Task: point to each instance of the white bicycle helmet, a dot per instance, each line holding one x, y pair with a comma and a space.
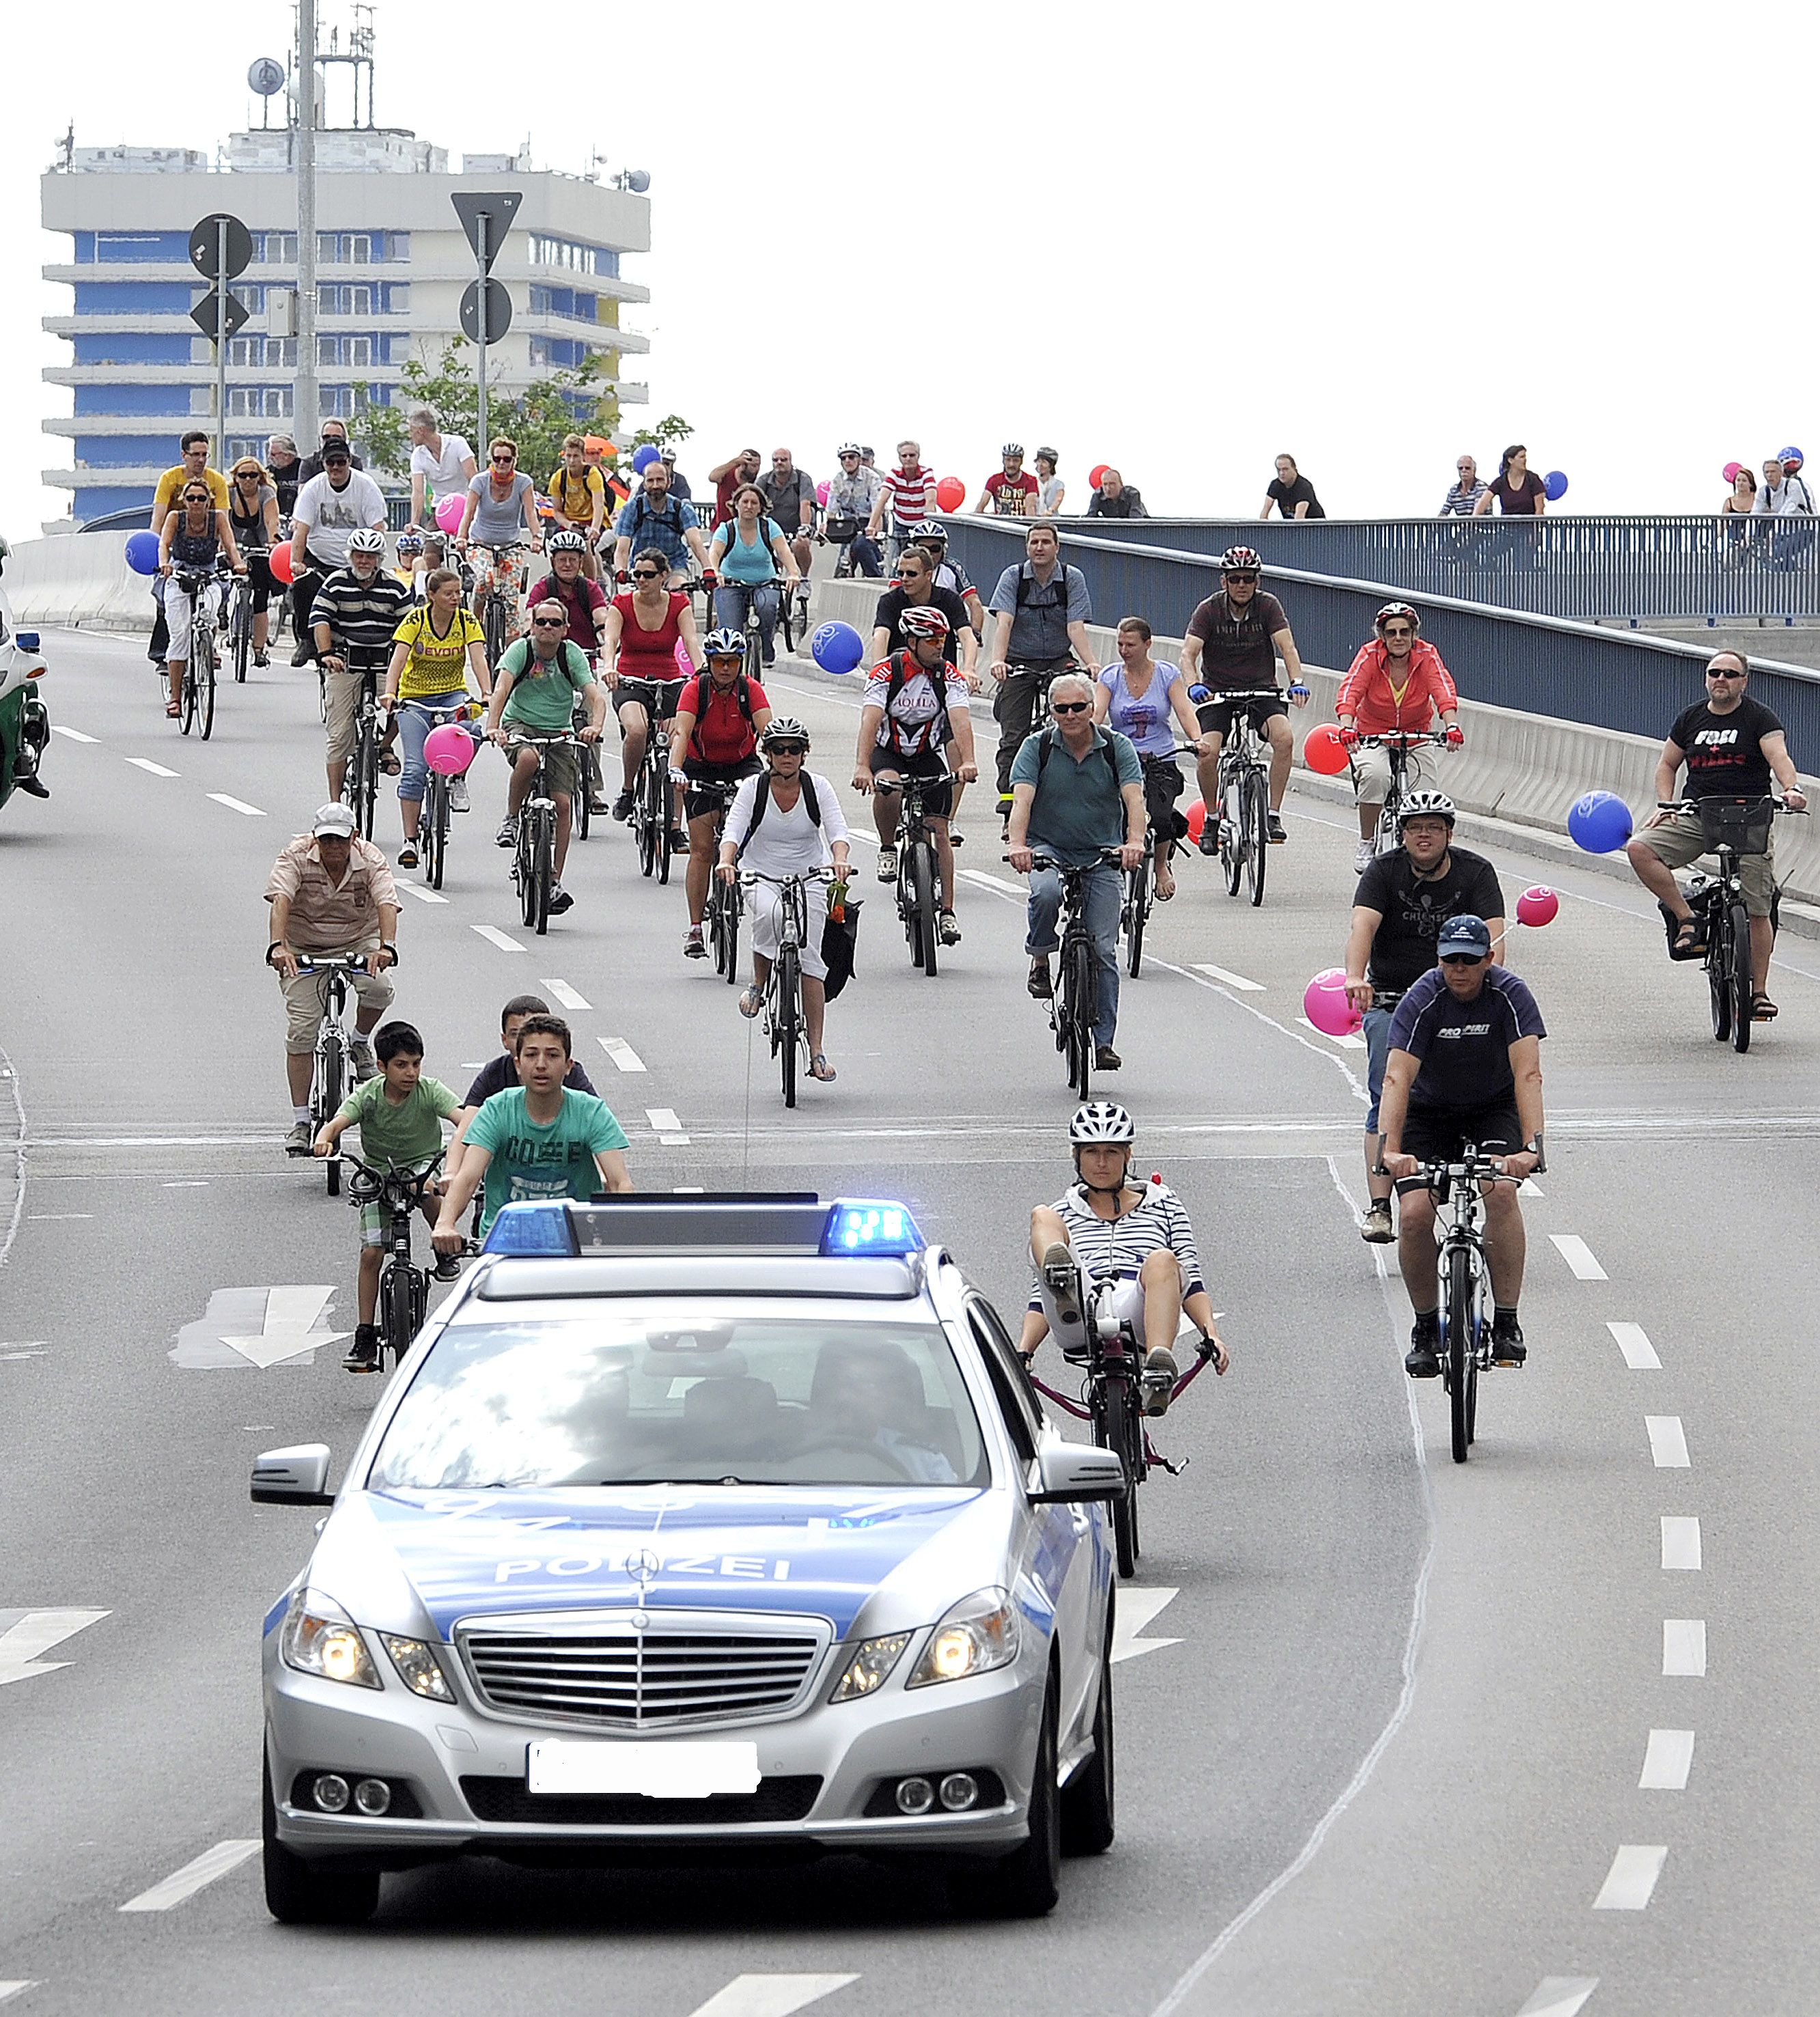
567, 541
923, 620
724, 642
1101, 1121
1425, 805
1012, 448
366, 541
847, 448
785, 728
930, 531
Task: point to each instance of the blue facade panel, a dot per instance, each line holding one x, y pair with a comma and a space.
92, 502
128, 399
138, 247
128, 451
123, 297
131, 347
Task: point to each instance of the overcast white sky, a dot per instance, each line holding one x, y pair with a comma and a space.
1373, 236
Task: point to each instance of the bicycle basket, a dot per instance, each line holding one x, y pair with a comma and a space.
1742, 825
839, 530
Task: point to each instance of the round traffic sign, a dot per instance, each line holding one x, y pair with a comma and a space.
207, 245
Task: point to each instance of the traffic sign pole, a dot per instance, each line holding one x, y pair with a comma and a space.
220, 352
482, 447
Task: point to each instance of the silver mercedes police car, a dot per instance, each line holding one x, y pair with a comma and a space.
696, 1522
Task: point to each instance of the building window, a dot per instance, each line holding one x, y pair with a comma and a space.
269, 402
348, 402
275, 248
251, 298
578, 258
241, 444
567, 302
344, 350
278, 351
341, 299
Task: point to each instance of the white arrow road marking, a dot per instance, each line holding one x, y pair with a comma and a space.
292, 1315
32, 1633
1667, 1759
18, 1988
770, 1995
1680, 1541
1684, 1646
566, 995
185, 1883
1559, 1996
1138, 1608
1631, 1878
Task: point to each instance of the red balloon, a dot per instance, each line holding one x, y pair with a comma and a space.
278, 561
1323, 753
1537, 905
1197, 818
1097, 474
950, 493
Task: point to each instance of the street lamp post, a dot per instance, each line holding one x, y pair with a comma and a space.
304, 423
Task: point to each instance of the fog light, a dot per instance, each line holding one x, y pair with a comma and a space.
374, 1796
914, 1796
331, 1792
959, 1790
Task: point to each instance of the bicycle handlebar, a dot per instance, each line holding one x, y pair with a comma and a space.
1107, 856
1403, 738
888, 784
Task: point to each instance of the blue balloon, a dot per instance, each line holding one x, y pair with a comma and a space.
1599, 821
1555, 484
644, 457
141, 552
837, 647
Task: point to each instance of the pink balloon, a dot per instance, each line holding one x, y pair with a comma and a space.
684, 664
449, 511
1326, 1003
1537, 906
1731, 469
449, 749
821, 493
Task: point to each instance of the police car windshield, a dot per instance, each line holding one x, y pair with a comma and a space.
631, 1396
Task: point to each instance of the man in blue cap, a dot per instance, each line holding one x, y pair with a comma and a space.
1464, 1067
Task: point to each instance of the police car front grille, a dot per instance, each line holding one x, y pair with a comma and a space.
778, 1799
625, 1679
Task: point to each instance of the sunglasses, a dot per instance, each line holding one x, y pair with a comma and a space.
1398, 631
646, 574
1241, 577
1463, 958
1070, 706
505, 458
788, 749
549, 622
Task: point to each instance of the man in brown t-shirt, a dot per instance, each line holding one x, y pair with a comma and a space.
1233, 641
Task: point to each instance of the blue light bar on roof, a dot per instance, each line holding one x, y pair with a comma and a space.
870, 1225
535, 1228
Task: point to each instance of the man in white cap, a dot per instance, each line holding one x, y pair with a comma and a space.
332, 896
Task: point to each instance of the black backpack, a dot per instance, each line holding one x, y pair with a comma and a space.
1027, 584
742, 688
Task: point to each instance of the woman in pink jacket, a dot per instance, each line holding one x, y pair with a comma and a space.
1396, 684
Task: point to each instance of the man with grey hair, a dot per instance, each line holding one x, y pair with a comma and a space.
441, 465
1077, 790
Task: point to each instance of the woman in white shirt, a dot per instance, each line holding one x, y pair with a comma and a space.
1051, 488
795, 829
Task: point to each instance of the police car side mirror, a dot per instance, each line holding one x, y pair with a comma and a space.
1075, 1474
295, 1477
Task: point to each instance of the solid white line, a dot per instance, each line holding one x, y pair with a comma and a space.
185, 1883
236, 805
146, 764
622, 1054
1345, 1043
1232, 979
1632, 1341
986, 882
1680, 1541
1683, 1647
416, 890
770, 1995
1578, 1255
74, 735
663, 1118
1631, 1879
566, 995
44, 1217
498, 938
185, 1184
673, 1141
1559, 1996
1667, 1442
1668, 1759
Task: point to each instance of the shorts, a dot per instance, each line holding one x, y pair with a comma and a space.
1683, 839
658, 697
926, 763
342, 691
304, 998
1215, 716
374, 1221
765, 908
1123, 1302
704, 805
1372, 775
561, 766
1438, 1134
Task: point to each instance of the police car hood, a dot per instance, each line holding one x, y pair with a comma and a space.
822, 1552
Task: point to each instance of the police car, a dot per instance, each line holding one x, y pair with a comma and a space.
696, 1523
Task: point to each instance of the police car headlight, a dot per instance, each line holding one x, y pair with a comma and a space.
871, 1666
320, 1639
417, 1667
979, 1634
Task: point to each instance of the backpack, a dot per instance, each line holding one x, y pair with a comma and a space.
1027, 584
643, 515
762, 798
1052, 735
903, 669
742, 690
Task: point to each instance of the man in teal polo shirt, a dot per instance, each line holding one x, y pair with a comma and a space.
1077, 790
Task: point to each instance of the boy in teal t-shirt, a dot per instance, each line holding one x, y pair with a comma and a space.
400, 1115
536, 1139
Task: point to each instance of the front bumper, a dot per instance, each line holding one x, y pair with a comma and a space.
989, 1724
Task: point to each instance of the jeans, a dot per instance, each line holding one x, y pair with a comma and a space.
413, 729
732, 598
1104, 889
1377, 1035
863, 557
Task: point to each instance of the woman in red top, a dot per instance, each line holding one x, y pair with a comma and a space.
713, 742
652, 646
1396, 684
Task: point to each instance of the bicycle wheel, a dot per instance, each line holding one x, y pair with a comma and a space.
661, 814
922, 863
542, 870
1462, 1349
494, 624
241, 630
1257, 834
787, 618
362, 785
1117, 1415
1743, 989
521, 869
730, 908
1720, 960
397, 1323
331, 1085
1077, 981
1232, 833
1136, 914
644, 823
202, 667
789, 979
435, 829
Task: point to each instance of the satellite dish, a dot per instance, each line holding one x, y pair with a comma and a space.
638, 181
266, 77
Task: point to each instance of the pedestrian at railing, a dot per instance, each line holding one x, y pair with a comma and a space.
1462, 498
1292, 493
1116, 499
1518, 492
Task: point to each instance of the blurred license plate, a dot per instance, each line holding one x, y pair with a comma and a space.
662, 1771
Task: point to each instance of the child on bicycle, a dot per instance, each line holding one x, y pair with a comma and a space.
400, 1114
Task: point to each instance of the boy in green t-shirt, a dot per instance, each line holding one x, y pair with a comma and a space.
400, 1115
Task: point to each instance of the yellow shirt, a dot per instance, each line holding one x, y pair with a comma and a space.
438, 660
170, 489
575, 497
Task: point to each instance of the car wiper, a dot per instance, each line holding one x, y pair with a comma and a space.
727, 1477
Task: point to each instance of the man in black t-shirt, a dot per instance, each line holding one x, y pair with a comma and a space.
916, 584
502, 1074
1732, 746
1402, 901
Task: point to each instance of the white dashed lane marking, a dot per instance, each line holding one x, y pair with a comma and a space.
153, 769
1683, 1647
74, 735
986, 882
237, 805
1632, 1341
1559, 1996
1631, 1878
1668, 1758
1578, 1255
1667, 1442
1680, 1541
1344, 1043
493, 936
566, 995
185, 1883
667, 1126
19, 1988
622, 1054
416, 890
1231, 980
771, 1995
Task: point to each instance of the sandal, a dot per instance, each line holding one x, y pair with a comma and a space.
751, 1002
388, 763
1762, 1008
1163, 895
819, 1067
172, 711
1688, 944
